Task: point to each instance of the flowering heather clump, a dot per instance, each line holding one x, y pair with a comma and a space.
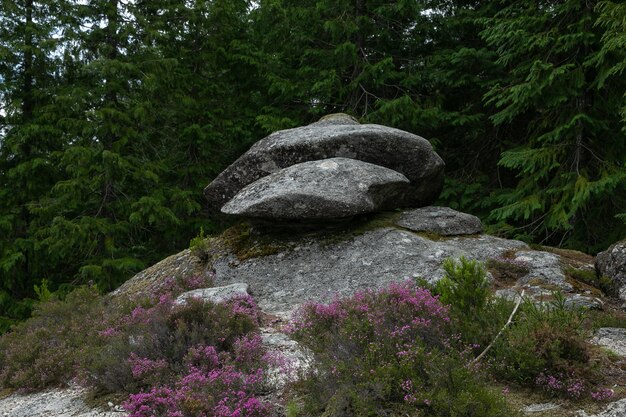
212, 385
150, 346
244, 305
400, 312
142, 367
561, 384
387, 352
602, 394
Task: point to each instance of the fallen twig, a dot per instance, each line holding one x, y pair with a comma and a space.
509, 321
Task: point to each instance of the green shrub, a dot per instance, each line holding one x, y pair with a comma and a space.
476, 315
199, 246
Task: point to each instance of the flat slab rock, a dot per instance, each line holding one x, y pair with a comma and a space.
318, 268
318, 271
337, 136
442, 221
214, 295
324, 189
54, 403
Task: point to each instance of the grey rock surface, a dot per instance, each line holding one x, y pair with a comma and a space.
319, 266
318, 271
156, 277
328, 188
546, 271
611, 338
214, 294
584, 301
338, 136
443, 221
54, 403
612, 263
614, 409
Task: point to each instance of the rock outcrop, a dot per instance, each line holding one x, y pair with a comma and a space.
331, 137
285, 270
612, 263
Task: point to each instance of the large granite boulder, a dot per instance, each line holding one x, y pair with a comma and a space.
329, 188
336, 136
612, 263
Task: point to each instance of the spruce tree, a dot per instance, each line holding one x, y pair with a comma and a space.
28, 80
562, 120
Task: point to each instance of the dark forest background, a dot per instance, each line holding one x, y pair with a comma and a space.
115, 114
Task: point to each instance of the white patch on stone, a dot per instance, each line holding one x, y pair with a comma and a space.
215, 294
539, 408
328, 165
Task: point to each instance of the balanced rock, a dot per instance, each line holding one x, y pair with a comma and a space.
336, 136
442, 221
328, 188
612, 263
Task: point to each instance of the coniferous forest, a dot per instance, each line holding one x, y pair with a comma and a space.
115, 114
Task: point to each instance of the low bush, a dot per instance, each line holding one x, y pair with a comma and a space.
548, 347
44, 350
388, 352
148, 346
219, 384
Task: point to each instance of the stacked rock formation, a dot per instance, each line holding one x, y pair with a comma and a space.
332, 169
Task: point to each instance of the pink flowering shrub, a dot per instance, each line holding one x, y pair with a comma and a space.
388, 352
196, 359
153, 344
212, 384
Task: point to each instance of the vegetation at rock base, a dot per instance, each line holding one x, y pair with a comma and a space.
115, 115
194, 359
403, 349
